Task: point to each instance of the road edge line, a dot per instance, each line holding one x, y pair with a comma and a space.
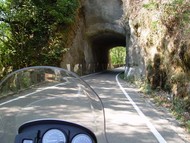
141, 114
29, 94
23, 96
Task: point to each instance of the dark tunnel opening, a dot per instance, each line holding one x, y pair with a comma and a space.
101, 44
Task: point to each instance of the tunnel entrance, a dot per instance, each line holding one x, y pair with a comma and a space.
101, 43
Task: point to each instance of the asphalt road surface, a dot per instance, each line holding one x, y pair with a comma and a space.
130, 118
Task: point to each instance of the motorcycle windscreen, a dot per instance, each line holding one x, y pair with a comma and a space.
39, 93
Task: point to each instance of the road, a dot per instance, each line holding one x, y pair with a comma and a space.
129, 117
134, 120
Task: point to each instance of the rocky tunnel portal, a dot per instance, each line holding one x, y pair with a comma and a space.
101, 44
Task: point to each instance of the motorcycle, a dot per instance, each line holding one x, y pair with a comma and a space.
45, 104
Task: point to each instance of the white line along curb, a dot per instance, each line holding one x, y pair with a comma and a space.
141, 114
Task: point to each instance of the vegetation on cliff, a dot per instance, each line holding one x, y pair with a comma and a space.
34, 32
162, 30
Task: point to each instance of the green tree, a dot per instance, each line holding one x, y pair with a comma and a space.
35, 31
118, 55
5, 37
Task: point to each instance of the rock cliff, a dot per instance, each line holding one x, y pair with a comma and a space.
155, 33
160, 32
98, 29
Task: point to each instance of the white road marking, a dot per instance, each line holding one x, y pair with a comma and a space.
141, 114
24, 96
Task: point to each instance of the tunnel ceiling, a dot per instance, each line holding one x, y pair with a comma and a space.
108, 40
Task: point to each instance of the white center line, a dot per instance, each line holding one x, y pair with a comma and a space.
141, 114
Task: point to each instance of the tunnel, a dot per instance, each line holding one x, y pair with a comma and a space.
101, 43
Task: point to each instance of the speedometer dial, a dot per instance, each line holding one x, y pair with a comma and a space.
81, 138
54, 136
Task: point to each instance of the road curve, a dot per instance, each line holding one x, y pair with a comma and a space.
129, 117
133, 119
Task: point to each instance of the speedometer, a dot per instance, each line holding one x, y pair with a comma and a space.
54, 136
81, 138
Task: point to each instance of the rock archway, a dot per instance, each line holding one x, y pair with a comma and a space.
100, 27
101, 43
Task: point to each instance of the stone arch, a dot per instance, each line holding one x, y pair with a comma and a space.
101, 43
100, 27
103, 30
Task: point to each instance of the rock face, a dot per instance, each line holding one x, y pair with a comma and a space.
99, 28
160, 33
103, 15
155, 35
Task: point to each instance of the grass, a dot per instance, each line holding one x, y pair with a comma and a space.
160, 98
188, 125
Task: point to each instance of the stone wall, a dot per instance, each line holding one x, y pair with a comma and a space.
74, 57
